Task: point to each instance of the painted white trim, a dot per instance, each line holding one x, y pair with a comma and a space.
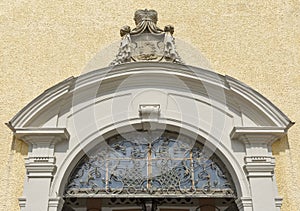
63, 89
249, 125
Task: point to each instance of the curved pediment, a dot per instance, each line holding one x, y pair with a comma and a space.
174, 82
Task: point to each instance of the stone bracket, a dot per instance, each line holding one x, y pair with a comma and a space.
149, 111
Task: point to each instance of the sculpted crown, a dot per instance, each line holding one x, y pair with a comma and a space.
145, 15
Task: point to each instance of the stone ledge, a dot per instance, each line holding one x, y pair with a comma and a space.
265, 135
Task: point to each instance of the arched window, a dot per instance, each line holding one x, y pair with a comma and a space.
150, 163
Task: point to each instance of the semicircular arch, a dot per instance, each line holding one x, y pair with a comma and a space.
230, 162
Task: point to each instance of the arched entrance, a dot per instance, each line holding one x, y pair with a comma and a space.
237, 123
150, 170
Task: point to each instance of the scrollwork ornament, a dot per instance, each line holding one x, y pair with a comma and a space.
149, 169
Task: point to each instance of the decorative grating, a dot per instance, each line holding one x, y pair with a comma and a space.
157, 164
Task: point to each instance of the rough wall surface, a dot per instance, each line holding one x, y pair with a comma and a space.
44, 42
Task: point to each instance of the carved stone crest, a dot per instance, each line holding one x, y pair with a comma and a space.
146, 42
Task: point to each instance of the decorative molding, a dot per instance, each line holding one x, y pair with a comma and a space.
40, 170
40, 162
265, 135
54, 95
32, 135
259, 101
41, 159
48, 97
259, 166
42, 141
259, 159
22, 203
243, 202
56, 203
262, 170
278, 202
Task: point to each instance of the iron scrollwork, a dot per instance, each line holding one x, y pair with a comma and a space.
153, 167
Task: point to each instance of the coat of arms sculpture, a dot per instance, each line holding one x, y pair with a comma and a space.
146, 42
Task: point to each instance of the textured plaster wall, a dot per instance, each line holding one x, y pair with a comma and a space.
44, 42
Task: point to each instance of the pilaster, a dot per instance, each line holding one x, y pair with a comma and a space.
259, 164
40, 165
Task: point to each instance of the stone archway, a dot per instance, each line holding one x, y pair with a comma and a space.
62, 123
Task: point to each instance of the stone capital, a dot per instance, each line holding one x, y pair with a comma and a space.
254, 135
257, 140
41, 141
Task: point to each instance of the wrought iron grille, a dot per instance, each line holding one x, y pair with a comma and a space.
150, 164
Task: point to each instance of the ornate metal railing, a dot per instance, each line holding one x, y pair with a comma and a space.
146, 165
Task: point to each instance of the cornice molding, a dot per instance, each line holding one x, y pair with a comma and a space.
42, 135
259, 101
265, 135
48, 97
72, 85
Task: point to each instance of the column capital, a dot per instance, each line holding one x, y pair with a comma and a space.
40, 162
41, 141
41, 135
266, 135
257, 140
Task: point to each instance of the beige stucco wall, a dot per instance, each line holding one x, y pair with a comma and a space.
44, 42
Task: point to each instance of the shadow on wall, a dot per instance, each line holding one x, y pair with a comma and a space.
19, 146
281, 146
